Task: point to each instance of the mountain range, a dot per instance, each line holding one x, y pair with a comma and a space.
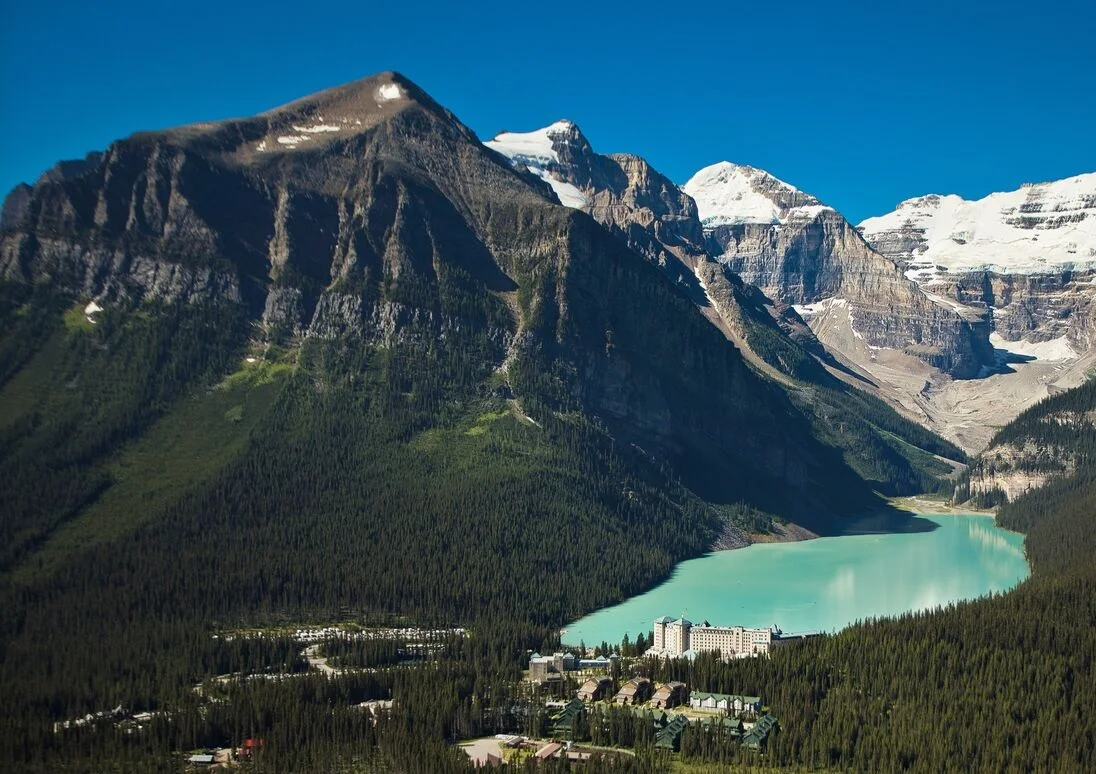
960, 314
390, 282
343, 360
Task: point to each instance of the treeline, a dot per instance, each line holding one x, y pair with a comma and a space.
1055, 437
882, 446
1047, 422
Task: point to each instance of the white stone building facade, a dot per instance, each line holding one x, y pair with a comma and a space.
673, 638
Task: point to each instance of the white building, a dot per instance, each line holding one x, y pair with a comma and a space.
684, 638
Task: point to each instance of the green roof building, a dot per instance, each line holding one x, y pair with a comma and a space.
669, 738
757, 736
563, 722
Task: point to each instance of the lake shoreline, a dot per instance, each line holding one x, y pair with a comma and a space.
826, 585
790, 532
923, 505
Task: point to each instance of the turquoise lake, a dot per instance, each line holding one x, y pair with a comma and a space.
826, 584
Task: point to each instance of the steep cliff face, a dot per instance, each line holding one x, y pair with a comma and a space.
1027, 255
654, 217
799, 251
622, 192
324, 216
1035, 308
369, 212
1014, 470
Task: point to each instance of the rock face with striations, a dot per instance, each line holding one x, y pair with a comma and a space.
800, 251
1028, 256
296, 212
654, 217
620, 191
1049, 440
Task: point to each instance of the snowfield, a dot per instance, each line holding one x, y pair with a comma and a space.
728, 194
531, 148
1055, 350
1036, 228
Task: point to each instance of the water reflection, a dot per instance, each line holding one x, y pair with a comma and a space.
826, 584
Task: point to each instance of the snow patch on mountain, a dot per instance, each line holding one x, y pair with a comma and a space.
536, 152
317, 128
1036, 228
1054, 350
807, 311
568, 195
389, 92
808, 212
530, 148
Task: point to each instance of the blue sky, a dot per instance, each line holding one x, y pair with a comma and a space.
862, 107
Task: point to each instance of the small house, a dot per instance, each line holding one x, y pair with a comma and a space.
670, 695
594, 689
636, 690
550, 750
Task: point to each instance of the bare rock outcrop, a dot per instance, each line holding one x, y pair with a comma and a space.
800, 251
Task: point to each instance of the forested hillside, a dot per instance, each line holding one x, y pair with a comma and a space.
1055, 421
944, 691
1052, 440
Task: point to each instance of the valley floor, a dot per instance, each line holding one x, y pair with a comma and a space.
968, 412
937, 506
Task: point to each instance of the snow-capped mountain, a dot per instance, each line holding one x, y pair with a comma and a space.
653, 216
1029, 255
867, 305
800, 251
536, 151
729, 194
1038, 228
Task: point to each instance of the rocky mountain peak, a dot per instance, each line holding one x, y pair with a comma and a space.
559, 154
319, 122
336, 114
730, 194
800, 251
541, 146
1025, 257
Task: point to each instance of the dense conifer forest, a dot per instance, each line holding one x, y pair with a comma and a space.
1064, 420
162, 490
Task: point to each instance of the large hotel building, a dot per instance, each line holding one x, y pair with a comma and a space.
684, 638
